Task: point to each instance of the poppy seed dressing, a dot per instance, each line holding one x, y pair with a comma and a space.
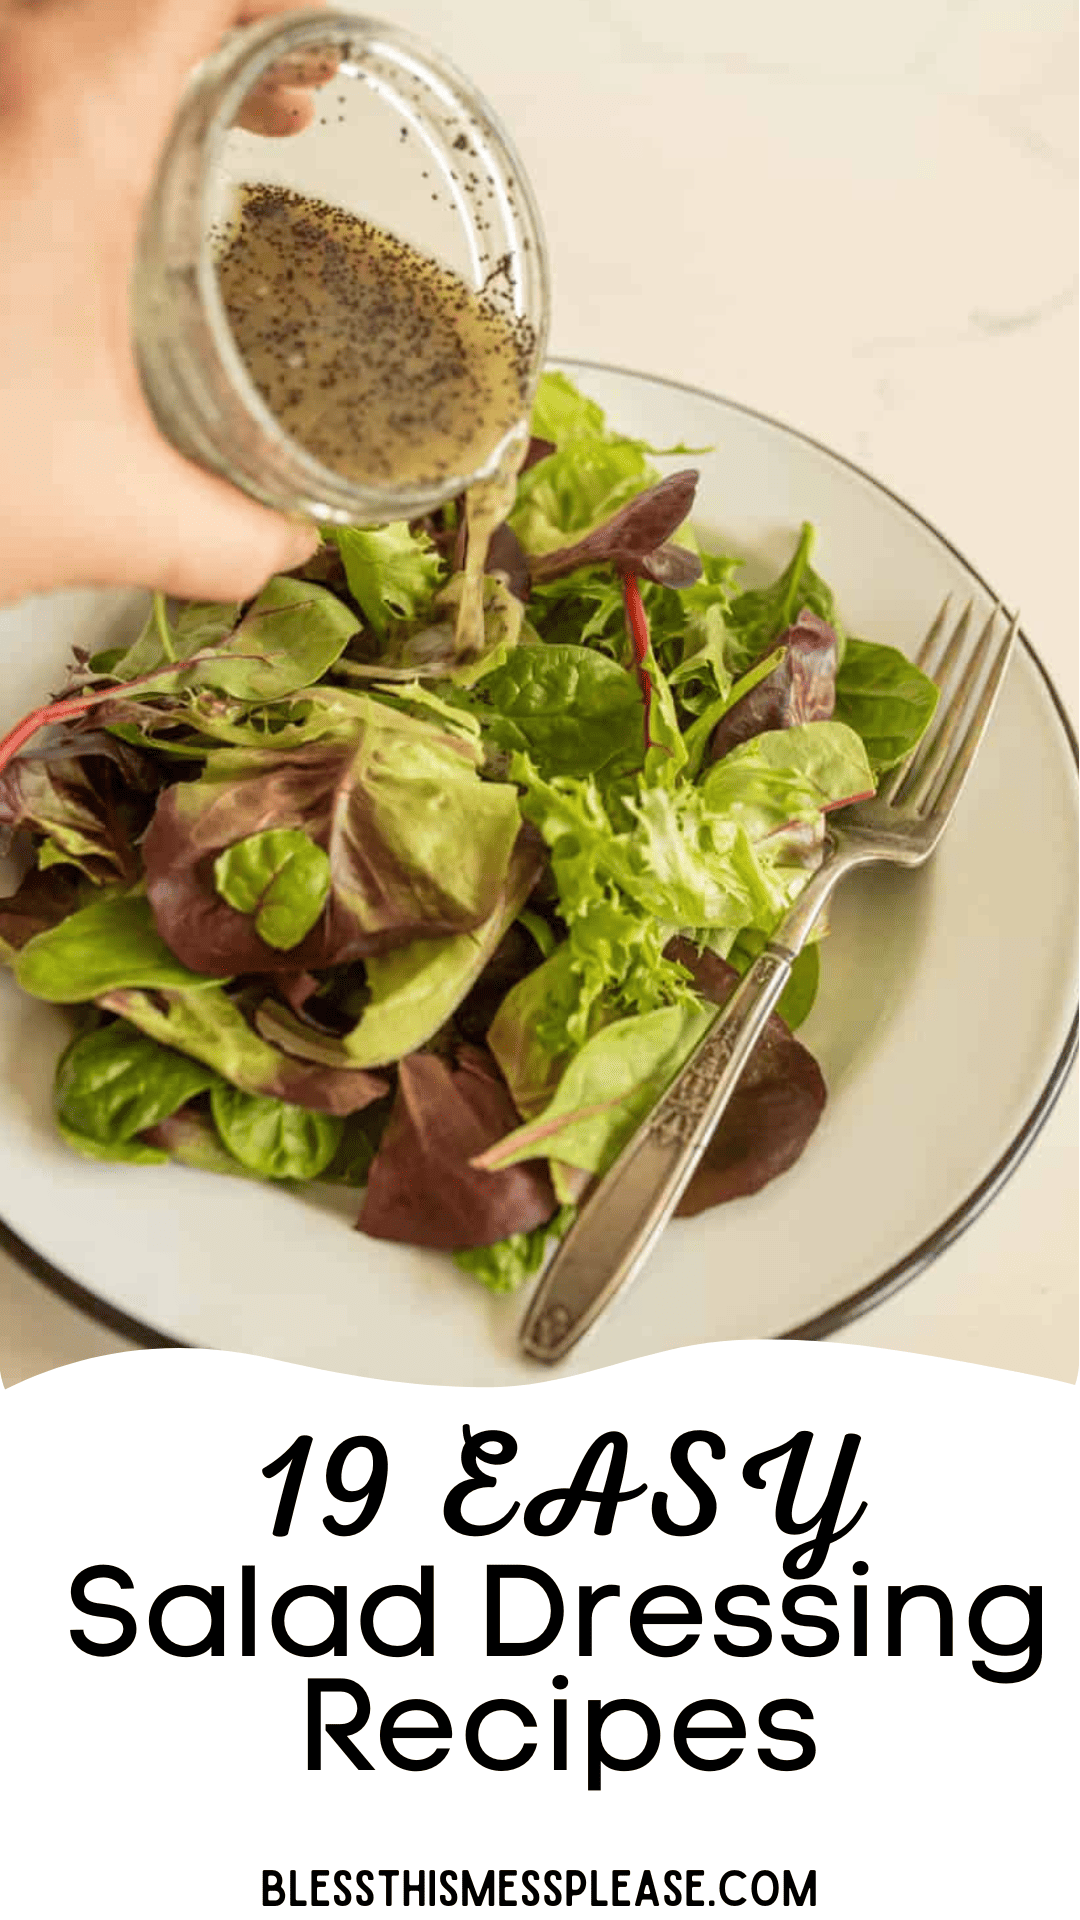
377, 360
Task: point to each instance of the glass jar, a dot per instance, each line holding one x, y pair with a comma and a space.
398, 138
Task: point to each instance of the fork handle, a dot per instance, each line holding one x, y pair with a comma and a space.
619, 1226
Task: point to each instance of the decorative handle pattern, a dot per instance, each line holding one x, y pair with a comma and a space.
609, 1244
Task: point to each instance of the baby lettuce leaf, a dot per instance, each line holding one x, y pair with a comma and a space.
198, 626
113, 1083
41, 901
886, 699
273, 1138
636, 539
615, 961
531, 1069
413, 990
109, 944
792, 774
392, 572
86, 792
801, 687
190, 1137
422, 1187
418, 844
289, 637
758, 617
137, 1153
292, 635
606, 1091
614, 1081
571, 710
210, 1028
561, 412
279, 877
682, 863
591, 475
505, 1266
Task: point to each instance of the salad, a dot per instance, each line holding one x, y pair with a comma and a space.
340, 887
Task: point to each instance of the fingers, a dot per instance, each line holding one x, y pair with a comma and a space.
281, 103
276, 111
205, 541
168, 524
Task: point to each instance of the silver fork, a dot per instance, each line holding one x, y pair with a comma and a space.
622, 1221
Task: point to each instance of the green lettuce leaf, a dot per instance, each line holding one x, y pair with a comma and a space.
886, 699
113, 1083
418, 844
505, 1266
413, 989
790, 774
517, 1037
272, 1137
210, 1028
757, 618
111, 943
606, 1091
392, 572
279, 877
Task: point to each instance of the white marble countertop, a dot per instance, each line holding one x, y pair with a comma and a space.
861, 220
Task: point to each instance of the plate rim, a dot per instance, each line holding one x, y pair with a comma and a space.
915, 1261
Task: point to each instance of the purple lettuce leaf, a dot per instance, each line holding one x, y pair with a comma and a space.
41, 902
636, 538
773, 1111
88, 794
418, 844
421, 1186
801, 687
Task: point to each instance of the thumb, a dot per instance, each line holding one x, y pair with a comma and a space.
184, 531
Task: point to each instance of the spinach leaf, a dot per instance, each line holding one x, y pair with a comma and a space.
280, 877
886, 699
392, 572
191, 1138
572, 710
357, 1148
273, 1138
505, 1266
135, 1152
758, 617
114, 1083
111, 943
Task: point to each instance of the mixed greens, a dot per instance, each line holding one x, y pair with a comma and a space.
338, 891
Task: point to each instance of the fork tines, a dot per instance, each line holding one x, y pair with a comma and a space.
929, 781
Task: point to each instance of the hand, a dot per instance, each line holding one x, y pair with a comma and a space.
90, 492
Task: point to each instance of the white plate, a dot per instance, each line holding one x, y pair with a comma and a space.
944, 1025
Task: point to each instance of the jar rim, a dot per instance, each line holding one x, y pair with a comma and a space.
234, 69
